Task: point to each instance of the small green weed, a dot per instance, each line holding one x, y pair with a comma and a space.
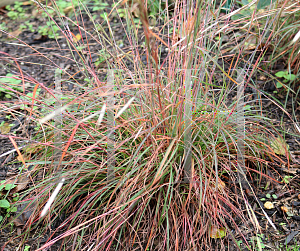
102, 57
27, 26
258, 242
293, 248
286, 179
99, 6
6, 207
287, 77
12, 82
61, 7
3, 27
16, 12
26, 248
50, 30
274, 196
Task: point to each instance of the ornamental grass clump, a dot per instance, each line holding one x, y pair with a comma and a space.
154, 152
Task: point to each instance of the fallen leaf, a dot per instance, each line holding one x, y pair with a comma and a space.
176, 38
279, 146
68, 9
250, 47
290, 211
135, 10
291, 170
217, 233
221, 185
284, 209
14, 34
20, 183
35, 13
76, 38
262, 77
17, 222
269, 205
27, 3
24, 158
250, 43
32, 148
26, 211
5, 128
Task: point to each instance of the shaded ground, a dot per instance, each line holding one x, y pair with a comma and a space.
35, 65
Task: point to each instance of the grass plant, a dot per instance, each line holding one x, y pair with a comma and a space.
146, 203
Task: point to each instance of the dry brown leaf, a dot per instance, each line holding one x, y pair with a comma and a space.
284, 209
32, 148
76, 38
217, 233
24, 158
35, 13
250, 47
68, 9
5, 128
27, 3
20, 183
262, 77
221, 185
250, 43
135, 10
18, 221
19, 231
14, 34
25, 215
269, 205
